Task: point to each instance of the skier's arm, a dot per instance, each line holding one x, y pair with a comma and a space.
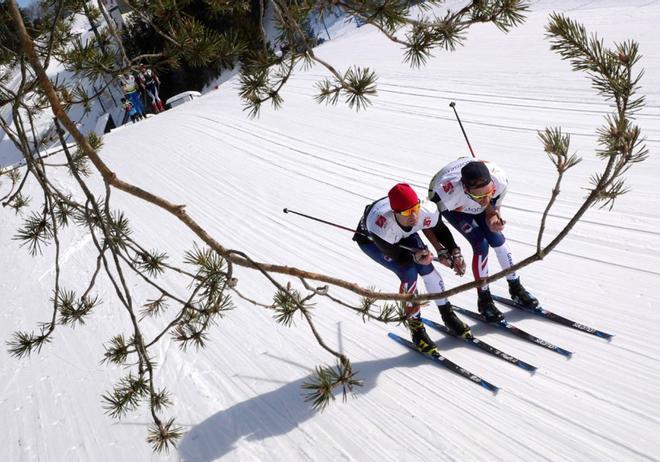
442, 239
497, 202
440, 236
435, 198
493, 217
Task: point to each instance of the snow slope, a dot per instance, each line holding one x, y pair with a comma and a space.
240, 399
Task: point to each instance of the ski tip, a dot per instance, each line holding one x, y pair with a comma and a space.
494, 389
608, 337
528, 367
285, 210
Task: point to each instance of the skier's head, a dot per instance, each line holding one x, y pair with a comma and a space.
477, 182
405, 204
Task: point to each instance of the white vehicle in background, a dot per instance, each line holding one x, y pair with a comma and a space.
182, 98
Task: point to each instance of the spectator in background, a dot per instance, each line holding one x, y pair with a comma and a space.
151, 84
130, 111
130, 88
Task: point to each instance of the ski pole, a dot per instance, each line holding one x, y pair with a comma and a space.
443, 252
322, 221
453, 106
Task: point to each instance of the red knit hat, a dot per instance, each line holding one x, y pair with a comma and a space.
402, 197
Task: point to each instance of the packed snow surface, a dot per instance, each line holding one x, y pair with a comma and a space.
241, 398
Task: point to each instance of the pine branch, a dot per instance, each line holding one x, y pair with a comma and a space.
118, 350
64, 211
556, 146
125, 396
286, 304
18, 202
357, 85
23, 344
190, 333
163, 436
152, 262
160, 400
621, 145
325, 379
154, 307
72, 309
36, 232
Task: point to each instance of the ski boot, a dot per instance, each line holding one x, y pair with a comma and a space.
520, 295
453, 322
487, 307
420, 338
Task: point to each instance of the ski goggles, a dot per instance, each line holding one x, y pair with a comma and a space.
408, 212
478, 197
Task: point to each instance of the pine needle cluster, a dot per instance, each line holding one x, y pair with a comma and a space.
22, 344
209, 300
73, 309
126, 395
320, 387
612, 75
294, 45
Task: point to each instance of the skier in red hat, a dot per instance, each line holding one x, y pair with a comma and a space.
387, 233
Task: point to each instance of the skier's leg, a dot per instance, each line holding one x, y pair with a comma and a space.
470, 229
407, 274
473, 228
152, 98
159, 102
498, 242
434, 283
503, 252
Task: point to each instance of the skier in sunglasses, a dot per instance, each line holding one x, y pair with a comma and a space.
469, 194
388, 234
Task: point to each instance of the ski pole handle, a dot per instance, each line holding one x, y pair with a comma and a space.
442, 253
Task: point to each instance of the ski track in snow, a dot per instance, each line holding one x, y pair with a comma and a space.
571, 422
295, 157
241, 398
